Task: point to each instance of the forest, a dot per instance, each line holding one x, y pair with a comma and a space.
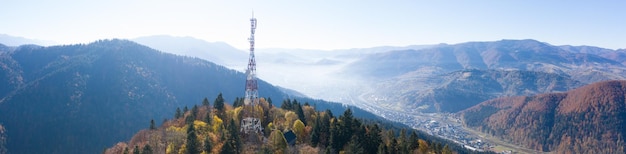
294, 127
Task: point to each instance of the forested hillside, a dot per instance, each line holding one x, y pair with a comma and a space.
82, 98
215, 128
590, 119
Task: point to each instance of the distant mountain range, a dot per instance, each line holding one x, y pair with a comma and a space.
427, 76
17, 41
216, 52
589, 119
83, 98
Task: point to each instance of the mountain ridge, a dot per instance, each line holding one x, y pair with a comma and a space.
589, 119
89, 91
424, 67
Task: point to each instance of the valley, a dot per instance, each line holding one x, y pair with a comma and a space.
444, 125
423, 85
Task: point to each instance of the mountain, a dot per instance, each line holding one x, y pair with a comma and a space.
615, 55
528, 55
17, 41
83, 98
589, 119
424, 76
459, 90
216, 52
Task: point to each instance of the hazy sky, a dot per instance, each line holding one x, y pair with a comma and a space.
321, 24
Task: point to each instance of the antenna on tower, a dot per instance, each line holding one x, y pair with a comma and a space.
251, 122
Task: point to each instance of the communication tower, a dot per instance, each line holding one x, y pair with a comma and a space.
251, 122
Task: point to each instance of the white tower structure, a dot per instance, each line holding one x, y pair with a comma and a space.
250, 123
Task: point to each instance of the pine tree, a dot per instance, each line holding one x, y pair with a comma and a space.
354, 146
233, 142
234, 135
126, 151
178, 113
325, 128
147, 149
413, 141
208, 118
205, 102
192, 144
207, 145
403, 144
393, 145
300, 113
136, 150
219, 102
373, 139
238, 102
286, 105
189, 120
185, 110
382, 149
152, 125
269, 101
315, 134
336, 136
194, 111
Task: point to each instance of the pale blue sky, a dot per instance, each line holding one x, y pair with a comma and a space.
321, 24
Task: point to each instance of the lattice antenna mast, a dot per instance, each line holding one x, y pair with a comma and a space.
252, 92
251, 122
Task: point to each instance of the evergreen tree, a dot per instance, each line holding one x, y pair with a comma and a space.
207, 145
152, 125
373, 139
325, 128
403, 145
382, 149
136, 150
329, 113
300, 113
192, 144
269, 101
189, 120
238, 102
354, 146
126, 151
147, 149
337, 139
438, 148
413, 141
208, 118
178, 113
342, 131
185, 110
233, 142
315, 134
219, 103
393, 146
194, 111
286, 105
205, 102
